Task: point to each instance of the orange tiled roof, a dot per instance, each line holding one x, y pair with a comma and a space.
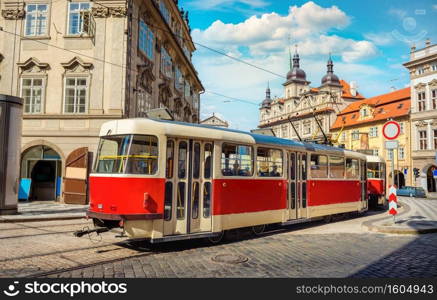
390, 105
346, 91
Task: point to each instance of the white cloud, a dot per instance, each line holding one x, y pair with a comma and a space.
380, 39
314, 17
263, 40
307, 25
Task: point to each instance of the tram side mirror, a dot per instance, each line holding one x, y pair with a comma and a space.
160, 114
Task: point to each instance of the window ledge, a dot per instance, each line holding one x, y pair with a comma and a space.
37, 37
77, 36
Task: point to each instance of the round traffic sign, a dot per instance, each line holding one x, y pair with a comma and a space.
391, 130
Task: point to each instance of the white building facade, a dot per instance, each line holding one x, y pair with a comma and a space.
307, 112
423, 81
78, 64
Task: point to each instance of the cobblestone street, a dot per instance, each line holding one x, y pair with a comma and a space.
340, 249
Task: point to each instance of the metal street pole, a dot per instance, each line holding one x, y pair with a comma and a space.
393, 173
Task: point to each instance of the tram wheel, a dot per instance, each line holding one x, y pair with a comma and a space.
327, 219
217, 238
257, 230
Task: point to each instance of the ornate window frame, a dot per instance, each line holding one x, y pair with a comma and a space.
32, 68
76, 68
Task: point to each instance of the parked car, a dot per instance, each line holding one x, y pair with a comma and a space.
411, 191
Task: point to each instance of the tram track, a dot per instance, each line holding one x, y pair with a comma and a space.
84, 266
66, 260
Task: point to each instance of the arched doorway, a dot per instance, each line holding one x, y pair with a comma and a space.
43, 166
399, 179
430, 181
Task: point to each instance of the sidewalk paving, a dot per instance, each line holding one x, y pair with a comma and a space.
45, 211
415, 216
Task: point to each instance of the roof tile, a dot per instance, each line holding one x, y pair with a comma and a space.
390, 105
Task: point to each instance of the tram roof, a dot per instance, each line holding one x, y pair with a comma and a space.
226, 133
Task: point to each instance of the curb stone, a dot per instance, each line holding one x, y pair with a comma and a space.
397, 230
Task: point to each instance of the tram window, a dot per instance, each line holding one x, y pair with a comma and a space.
352, 168
293, 195
336, 167
363, 170
269, 162
195, 207
170, 160
132, 154
237, 160
292, 166
182, 160
168, 200
207, 161
304, 194
319, 166
143, 155
304, 166
373, 170
196, 161
111, 154
206, 199
180, 207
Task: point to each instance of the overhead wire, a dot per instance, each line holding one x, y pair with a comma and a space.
136, 71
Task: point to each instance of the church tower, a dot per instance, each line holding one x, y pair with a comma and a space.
296, 79
330, 81
266, 104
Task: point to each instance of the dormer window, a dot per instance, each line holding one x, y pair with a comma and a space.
364, 112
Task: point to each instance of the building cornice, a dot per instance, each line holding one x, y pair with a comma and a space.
420, 61
286, 118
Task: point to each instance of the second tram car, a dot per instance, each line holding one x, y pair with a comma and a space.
376, 180
165, 180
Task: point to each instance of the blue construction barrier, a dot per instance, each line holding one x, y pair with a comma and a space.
24, 191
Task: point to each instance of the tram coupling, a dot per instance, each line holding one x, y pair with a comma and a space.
84, 231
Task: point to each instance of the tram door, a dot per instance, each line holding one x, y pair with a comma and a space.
188, 201
363, 179
297, 185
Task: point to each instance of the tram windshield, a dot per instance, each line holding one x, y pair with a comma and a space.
127, 154
375, 170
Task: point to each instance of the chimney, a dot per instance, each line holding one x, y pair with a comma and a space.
392, 89
353, 88
427, 42
412, 50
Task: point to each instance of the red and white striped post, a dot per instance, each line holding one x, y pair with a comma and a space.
392, 202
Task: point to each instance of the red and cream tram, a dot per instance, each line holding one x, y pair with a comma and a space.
376, 180
164, 180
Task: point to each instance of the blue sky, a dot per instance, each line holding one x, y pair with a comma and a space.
369, 41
